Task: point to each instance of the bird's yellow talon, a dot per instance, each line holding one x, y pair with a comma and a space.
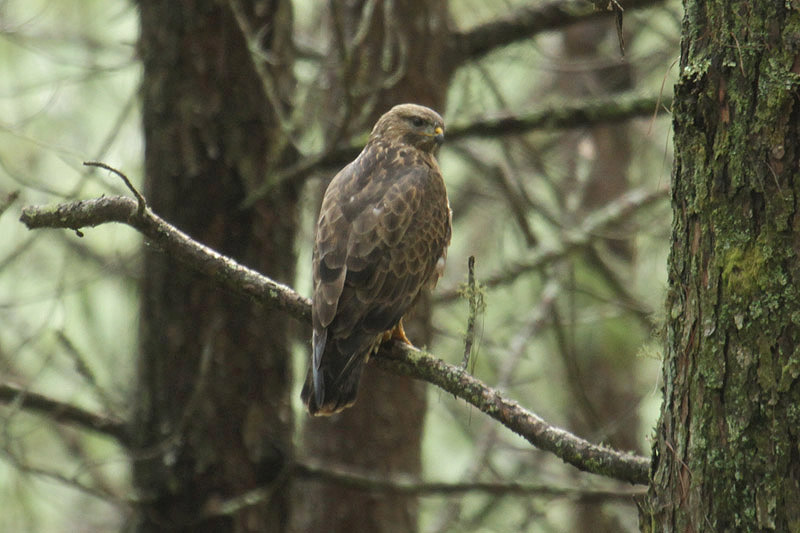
399, 334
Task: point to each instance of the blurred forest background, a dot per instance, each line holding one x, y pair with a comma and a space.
566, 213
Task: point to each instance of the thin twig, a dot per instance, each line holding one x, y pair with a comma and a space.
474, 308
618, 15
413, 487
627, 205
62, 412
259, 61
516, 202
80, 450
139, 198
83, 368
616, 8
67, 481
216, 506
487, 435
6, 202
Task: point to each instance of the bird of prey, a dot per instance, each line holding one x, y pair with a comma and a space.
381, 238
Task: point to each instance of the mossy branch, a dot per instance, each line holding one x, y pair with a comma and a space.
397, 358
474, 295
402, 359
225, 271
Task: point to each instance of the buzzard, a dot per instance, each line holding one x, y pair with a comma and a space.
381, 238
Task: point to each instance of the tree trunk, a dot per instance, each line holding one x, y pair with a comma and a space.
381, 434
726, 455
212, 414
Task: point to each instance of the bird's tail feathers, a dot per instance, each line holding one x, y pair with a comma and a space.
329, 387
320, 339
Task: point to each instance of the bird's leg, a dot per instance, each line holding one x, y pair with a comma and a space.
397, 333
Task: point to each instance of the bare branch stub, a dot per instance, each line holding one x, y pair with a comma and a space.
475, 301
142, 204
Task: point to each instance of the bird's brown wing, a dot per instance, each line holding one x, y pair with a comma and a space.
384, 225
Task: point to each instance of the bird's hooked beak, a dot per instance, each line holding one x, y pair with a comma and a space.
438, 135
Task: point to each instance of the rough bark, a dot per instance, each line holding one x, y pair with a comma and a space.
726, 456
212, 414
400, 58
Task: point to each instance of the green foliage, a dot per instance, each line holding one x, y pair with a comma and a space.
742, 271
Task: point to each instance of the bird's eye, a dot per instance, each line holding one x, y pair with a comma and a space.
417, 122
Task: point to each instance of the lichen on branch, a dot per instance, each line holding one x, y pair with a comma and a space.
394, 357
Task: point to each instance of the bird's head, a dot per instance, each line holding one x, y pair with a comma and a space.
413, 125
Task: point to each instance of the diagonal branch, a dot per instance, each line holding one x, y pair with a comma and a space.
225, 271
579, 114
402, 359
408, 486
595, 223
565, 115
63, 412
396, 358
526, 21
